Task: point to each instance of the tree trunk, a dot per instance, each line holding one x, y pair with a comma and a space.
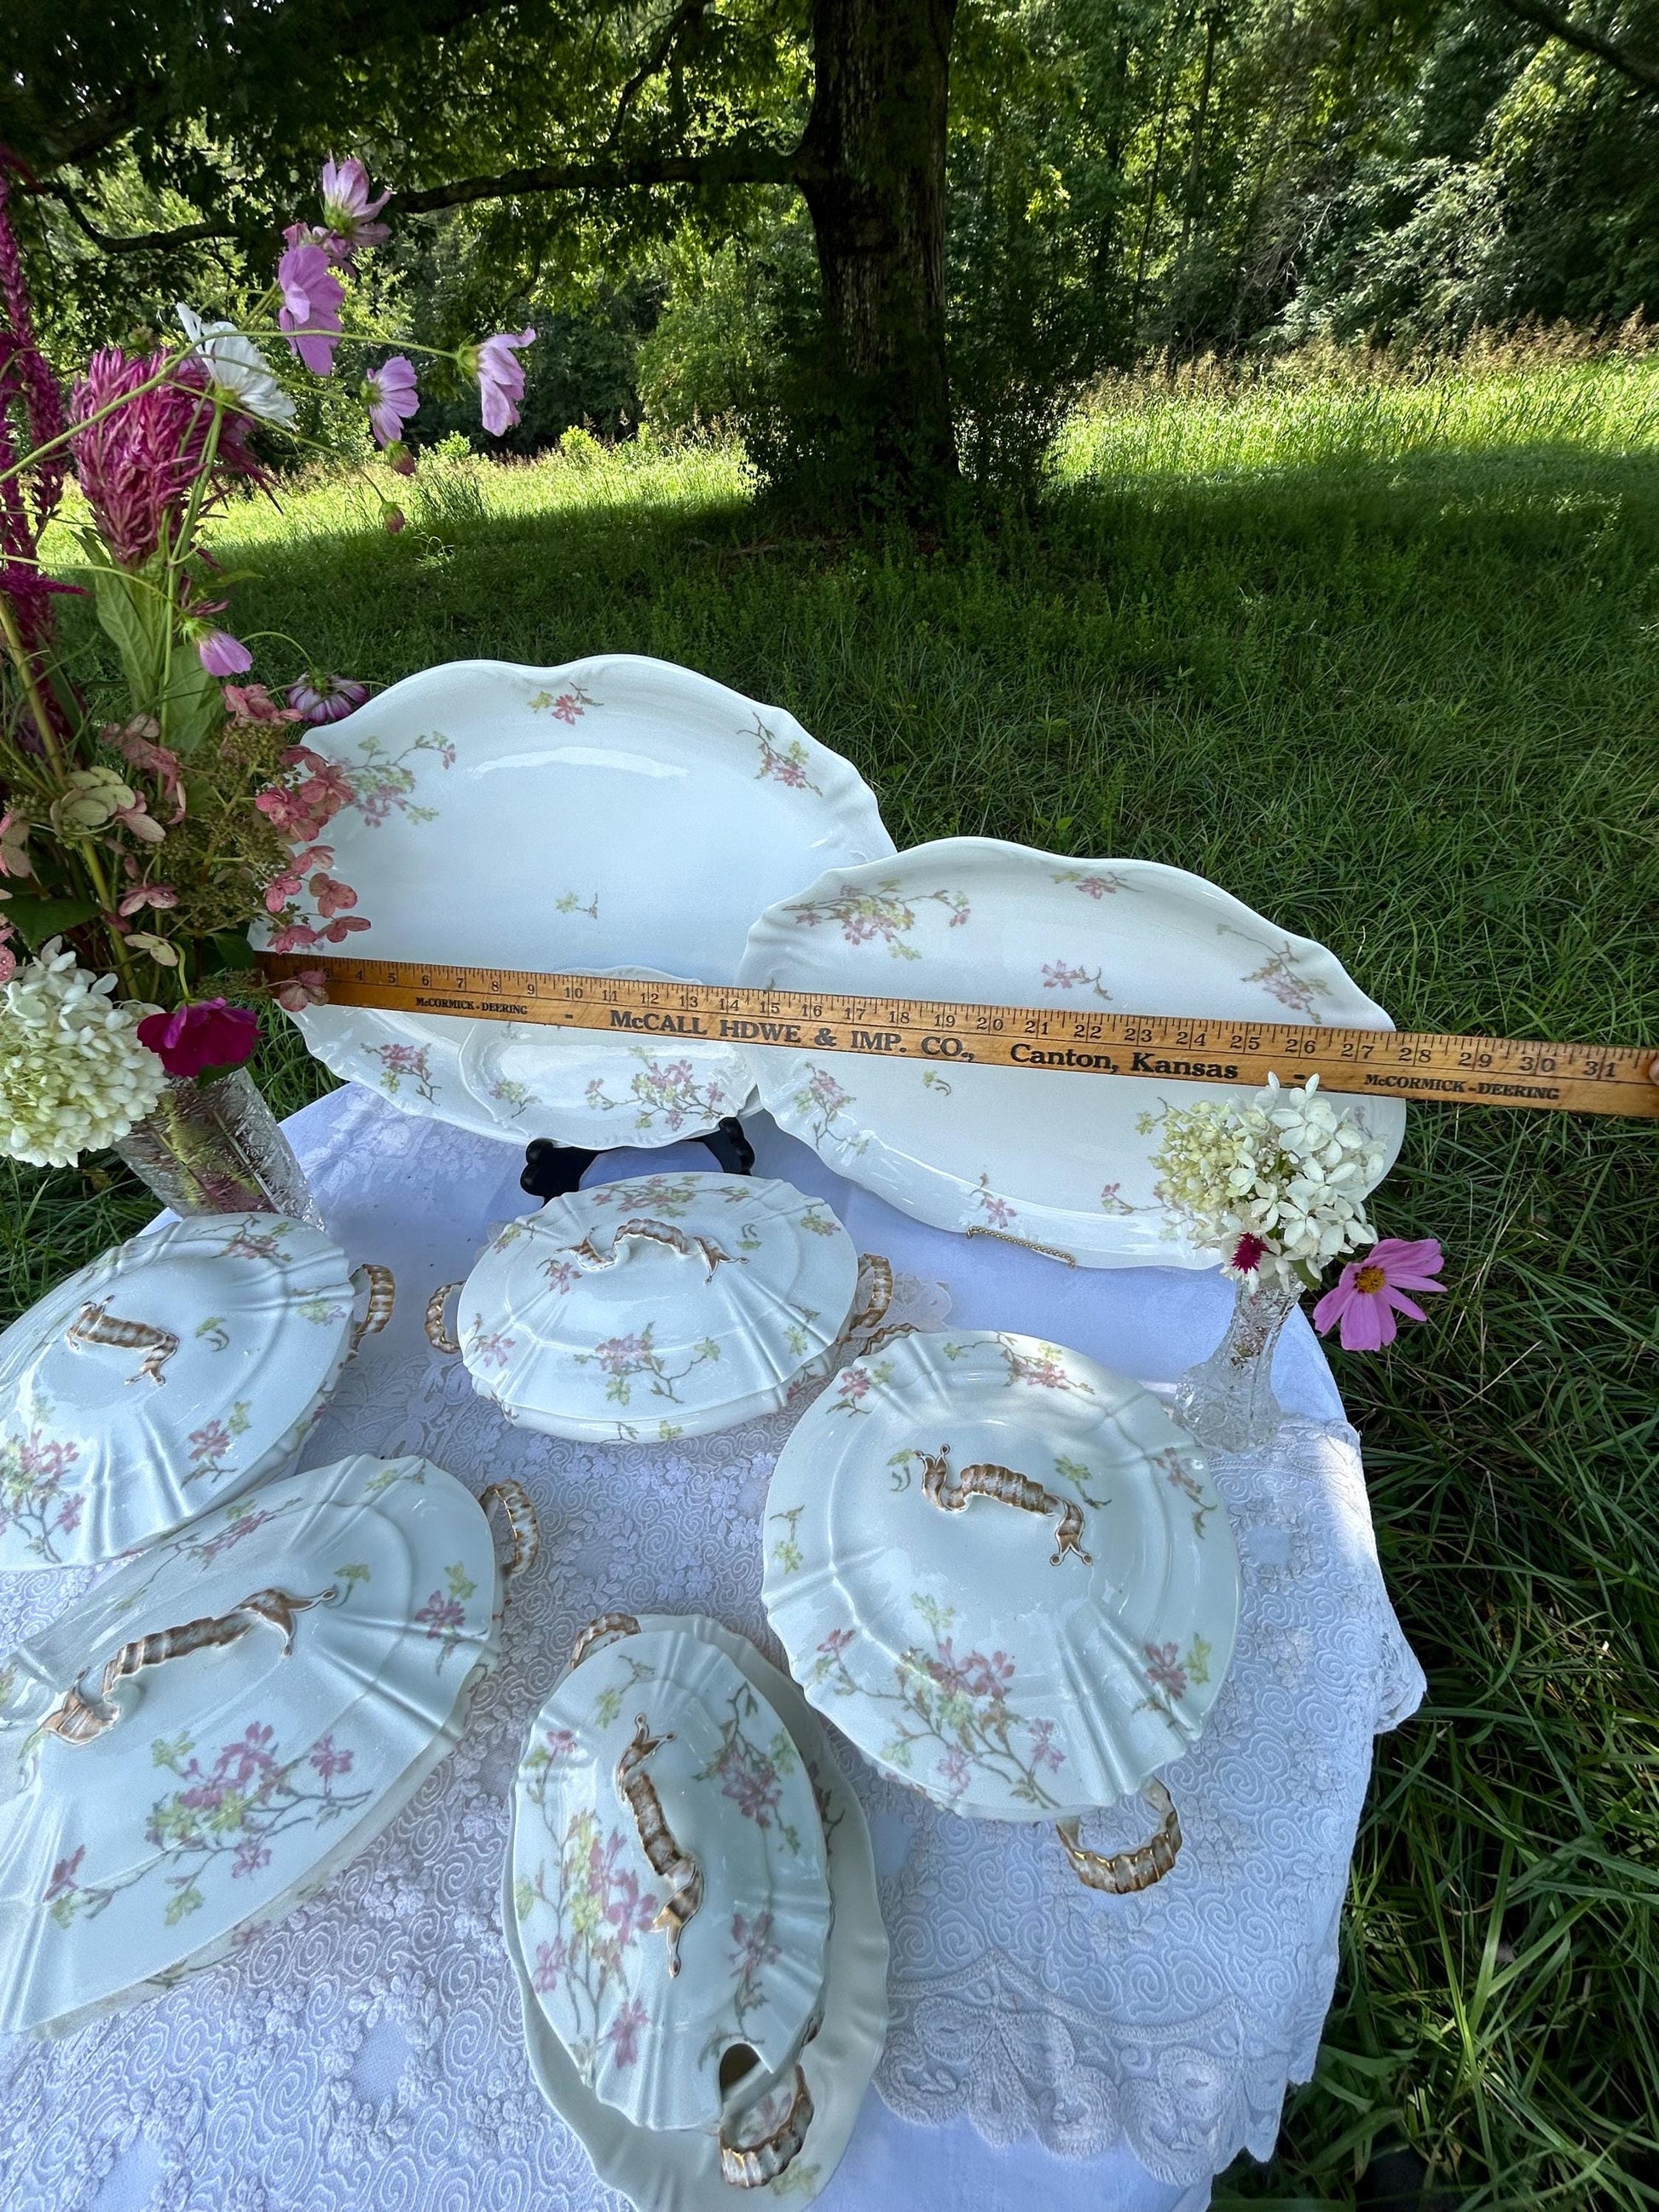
871, 169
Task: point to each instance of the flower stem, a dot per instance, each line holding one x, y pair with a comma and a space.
20, 653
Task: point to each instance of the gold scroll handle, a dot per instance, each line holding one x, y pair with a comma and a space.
438, 1336
79, 1717
606, 1629
677, 1868
641, 1231
513, 1502
1123, 1873
375, 1286
951, 1493
874, 1295
751, 2166
95, 1324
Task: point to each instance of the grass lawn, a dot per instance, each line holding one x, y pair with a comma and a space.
1384, 660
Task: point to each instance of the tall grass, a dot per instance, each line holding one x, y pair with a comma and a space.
1380, 653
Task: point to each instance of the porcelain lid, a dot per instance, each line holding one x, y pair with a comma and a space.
670, 1882
662, 1306
188, 1741
162, 1378
1003, 1571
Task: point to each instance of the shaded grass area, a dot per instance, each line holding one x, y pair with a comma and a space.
1383, 661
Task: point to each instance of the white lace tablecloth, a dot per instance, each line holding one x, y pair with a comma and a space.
1047, 2044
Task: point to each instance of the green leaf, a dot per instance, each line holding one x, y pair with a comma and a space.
37, 918
193, 702
228, 948
133, 613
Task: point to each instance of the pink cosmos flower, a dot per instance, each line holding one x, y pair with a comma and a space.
308, 989
501, 378
311, 293
221, 654
209, 1033
392, 398
1372, 1290
318, 698
347, 209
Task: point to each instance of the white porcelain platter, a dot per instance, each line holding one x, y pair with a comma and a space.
679, 2171
661, 1306
669, 1878
195, 1745
171, 1374
618, 814
1003, 1571
1058, 1160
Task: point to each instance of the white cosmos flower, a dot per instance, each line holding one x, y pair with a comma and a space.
237, 368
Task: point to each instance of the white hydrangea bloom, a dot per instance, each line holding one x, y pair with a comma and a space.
1282, 1179
73, 1075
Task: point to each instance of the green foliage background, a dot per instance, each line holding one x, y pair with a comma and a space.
1126, 178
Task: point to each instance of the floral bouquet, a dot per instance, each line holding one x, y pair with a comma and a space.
141, 830
1278, 1189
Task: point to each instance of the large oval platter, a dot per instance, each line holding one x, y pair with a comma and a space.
616, 813
314, 1650
1061, 1161
680, 2171
1003, 1571
171, 1374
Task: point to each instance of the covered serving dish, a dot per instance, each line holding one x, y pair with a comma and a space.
171, 1374
669, 1906
1006, 1573
196, 1745
663, 1306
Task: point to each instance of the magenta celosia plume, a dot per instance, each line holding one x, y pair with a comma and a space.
1372, 1290
31, 416
140, 443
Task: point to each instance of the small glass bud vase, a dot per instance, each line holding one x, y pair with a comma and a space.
213, 1146
1227, 1402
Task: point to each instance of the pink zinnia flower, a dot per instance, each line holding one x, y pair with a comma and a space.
392, 398
221, 654
1372, 1291
347, 209
209, 1033
318, 698
501, 378
311, 293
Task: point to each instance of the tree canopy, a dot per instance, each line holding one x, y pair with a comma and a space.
850, 196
